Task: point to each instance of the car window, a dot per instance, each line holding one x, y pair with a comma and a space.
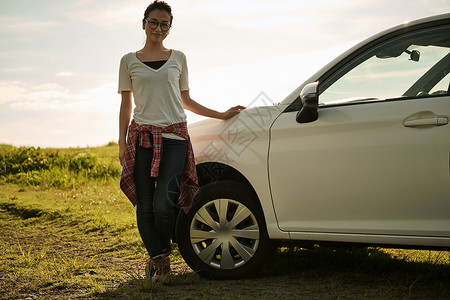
443, 86
415, 64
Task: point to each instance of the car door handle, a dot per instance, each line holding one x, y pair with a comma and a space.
433, 121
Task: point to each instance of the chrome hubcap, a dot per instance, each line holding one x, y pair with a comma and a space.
224, 234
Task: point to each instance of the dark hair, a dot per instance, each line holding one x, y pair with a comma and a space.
158, 5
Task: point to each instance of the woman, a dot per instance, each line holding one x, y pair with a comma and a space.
155, 148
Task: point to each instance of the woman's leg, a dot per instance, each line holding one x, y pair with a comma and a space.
145, 189
167, 188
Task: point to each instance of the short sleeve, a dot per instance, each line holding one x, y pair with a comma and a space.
184, 78
124, 76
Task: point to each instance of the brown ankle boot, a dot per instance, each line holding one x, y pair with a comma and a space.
160, 267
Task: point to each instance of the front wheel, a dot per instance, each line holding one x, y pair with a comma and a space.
224, 234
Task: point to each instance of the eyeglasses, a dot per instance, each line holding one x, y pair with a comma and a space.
153, 24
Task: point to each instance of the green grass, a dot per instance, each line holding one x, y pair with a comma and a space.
58, 168
71, 233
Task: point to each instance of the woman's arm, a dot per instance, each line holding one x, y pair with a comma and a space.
199, 109
124, 120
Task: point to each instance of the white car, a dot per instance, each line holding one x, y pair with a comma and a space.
359, 153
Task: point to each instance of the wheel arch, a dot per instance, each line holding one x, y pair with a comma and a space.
209, 172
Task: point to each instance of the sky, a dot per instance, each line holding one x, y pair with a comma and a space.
59, 59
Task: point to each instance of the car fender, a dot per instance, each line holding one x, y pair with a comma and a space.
241, 143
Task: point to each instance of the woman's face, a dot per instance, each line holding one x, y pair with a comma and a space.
158, 18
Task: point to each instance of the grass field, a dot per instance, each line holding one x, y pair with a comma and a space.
68, 232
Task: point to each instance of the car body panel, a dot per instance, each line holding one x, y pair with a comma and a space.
354, 169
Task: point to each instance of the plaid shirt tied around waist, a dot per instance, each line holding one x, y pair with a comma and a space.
142, 134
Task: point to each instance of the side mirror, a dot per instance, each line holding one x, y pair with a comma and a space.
310, 100
413, 55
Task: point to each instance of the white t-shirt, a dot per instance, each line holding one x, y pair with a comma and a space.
156, 93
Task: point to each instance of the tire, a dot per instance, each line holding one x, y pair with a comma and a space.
224, 235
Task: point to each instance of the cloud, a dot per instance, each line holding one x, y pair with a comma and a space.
65, 128
49, 115
55, 97
109, 16
59, 58
65, 74
19, 24
45, 96
246, 31
17, 70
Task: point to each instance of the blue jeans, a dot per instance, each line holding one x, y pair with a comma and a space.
157, 197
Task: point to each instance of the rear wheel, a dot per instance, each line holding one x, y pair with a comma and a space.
224, 234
